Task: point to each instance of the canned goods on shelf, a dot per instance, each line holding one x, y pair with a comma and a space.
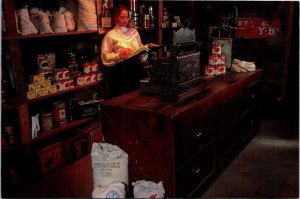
59, 113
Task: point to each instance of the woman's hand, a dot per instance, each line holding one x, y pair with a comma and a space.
124, 53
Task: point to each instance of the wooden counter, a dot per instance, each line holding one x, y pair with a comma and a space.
182, 143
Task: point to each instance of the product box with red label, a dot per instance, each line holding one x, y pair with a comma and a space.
51, 158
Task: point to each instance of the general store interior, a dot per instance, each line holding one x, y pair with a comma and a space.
265, 164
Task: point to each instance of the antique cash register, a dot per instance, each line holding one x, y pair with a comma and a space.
172, 77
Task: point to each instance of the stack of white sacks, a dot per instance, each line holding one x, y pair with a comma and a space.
242, 66
110, 175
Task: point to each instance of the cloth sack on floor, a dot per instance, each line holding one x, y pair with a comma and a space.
110, 164
148, 189
113, 190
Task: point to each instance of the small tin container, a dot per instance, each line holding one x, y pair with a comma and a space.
47, 122
79, 80
94, 66
59, 113
66, 73
216, 49
58, 74
58, 85
209, 70
71, 83
65, 84
87, 67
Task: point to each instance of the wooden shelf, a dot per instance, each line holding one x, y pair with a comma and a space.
9, 107
76, 88
11, 147
49, 35
46, 134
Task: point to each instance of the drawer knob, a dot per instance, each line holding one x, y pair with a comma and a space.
197, 171
253, 96
198, 134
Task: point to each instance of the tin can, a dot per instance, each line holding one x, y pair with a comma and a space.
58, 74
221, 69
213, 59
94, 66
216, 48
209, 70
71, 83
87, 67
58, 85
87, 79
59, 113
66, 73
47, 122
93, 77
65, 84
79, 80
222, 59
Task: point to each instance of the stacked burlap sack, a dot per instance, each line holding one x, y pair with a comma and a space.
110, 175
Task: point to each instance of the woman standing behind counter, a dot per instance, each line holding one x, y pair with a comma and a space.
122, 75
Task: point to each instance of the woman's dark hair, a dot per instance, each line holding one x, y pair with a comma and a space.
115, 12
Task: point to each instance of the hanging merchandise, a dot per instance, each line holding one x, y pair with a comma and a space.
106, 17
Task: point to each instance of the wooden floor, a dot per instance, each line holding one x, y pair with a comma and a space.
267, 167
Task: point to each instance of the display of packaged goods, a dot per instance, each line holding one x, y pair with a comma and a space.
33, 87
46, 61
51, 158
31, 94
76, 147
36, 78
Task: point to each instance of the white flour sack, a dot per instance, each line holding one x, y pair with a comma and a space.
148, 189
110, 164
113, 190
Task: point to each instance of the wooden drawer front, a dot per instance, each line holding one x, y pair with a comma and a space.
195, 171
249, 121
251, 96
192, 133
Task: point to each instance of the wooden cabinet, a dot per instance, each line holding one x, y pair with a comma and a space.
181, 143
239, 118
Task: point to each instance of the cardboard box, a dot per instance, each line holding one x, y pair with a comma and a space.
76, 147
51, 158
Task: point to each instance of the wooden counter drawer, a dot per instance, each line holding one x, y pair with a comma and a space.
249, 121
192, 134
195, 171
251, 95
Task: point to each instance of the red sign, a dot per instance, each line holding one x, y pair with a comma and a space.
258, 28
